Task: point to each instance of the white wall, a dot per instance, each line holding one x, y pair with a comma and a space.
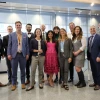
50, 20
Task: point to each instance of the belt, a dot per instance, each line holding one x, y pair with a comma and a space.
19, 52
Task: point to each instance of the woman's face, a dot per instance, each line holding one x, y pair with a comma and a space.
77, 31
56, 31
38, 33
50, 35
62, 32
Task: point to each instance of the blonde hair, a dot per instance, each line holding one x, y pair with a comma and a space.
60, 37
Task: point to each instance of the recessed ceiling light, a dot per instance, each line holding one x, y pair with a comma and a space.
97, 14
92, 4
59, 11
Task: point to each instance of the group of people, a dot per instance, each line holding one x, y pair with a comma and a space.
52, 52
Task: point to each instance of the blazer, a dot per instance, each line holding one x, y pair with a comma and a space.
95, 49
34, 45
68, 49
13, 45
5, 44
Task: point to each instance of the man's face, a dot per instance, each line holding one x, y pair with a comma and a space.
92, 30
18, 26
72, 26
43, 27
9, 29
28, 28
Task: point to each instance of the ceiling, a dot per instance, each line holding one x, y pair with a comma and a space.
61, 6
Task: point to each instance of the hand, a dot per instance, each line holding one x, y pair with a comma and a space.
75, 53
69, 60
9, 57
98, 59
40, 51
27, 57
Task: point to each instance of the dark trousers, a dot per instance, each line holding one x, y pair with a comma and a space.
95, 67
9, 69
19, 59
28, 63
71, 69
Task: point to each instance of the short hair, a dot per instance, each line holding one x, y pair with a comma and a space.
71, 23
56, 27
9, 26
18, 22
29, 24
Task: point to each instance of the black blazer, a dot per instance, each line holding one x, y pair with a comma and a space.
95, 49
5, 44
34, 45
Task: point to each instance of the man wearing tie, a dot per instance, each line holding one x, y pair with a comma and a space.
18, 53
8, 62
43, 27
28, 63
93, 54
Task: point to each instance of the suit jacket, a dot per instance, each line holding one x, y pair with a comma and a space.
68, 49
95, 49
5, 44
13, 45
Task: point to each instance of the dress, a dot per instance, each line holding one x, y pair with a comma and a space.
51, 59
80, 58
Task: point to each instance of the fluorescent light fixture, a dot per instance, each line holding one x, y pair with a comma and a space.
92, 4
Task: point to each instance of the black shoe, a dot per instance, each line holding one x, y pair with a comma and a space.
56, 80
81, 85
70, 80
78, 83
30, 88
40, 86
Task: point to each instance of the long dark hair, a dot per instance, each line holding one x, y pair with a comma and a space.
53, 38
35, 32
80, 34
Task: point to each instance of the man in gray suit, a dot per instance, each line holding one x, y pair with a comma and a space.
18, 52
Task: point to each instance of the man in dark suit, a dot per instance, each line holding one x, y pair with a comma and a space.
28, 63
18, 53
93, 55
8, 62
71, 68
43, 27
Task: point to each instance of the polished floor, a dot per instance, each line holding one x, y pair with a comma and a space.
49, 93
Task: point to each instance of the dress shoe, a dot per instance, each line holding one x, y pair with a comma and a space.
27, 82
30, 88
78, 83
13, 87
2, 85
40, 86
81, 85
97, 87
23, 86
92, 85
70, 80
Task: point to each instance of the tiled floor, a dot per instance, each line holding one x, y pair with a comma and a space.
48, 93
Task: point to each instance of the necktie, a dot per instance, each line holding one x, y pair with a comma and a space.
90, 43
43, 36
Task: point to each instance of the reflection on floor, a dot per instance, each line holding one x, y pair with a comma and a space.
49, 93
